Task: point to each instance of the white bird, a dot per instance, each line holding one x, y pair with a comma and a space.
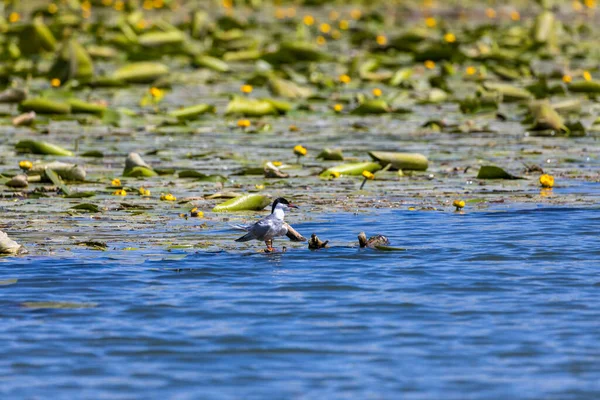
270, 226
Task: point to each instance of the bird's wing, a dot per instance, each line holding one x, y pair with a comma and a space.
262, 227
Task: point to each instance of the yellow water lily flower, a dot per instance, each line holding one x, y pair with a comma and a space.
338, 108
459, 204
450, 37
377, 92
547, 181
120, 192
246, 89
587, 76
25, 165
429, 64
381, 40
14, 17
308, 20
144, 192
567, 78
116, 182
194, 212
55, 82
300, 150
344, 78
167, 197
430, 22
243, 123
368, 174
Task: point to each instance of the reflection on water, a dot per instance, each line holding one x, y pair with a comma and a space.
502, 304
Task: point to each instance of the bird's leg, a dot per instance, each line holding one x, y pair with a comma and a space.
269, 244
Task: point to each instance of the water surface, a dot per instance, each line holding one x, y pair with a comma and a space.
494, 304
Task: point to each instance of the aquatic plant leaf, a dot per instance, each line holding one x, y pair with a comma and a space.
93, 153
401, 161
55, 179
138, 171
141, 72
45, 106
80, 106
350, 169
36, 37
292, 52
80, 195
585, 87
493, 172
192, 112
250, 107
331, 155
253, 202
372, 106
201, 176
400, 76
544, 24
40, 147
86, 207
212, 63
161, 39
509, 93
288, 89
72, 62
546, 117
69, 172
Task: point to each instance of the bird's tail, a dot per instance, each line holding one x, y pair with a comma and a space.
248, 236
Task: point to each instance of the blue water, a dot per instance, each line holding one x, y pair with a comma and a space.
484, 305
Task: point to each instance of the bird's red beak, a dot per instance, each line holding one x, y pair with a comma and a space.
292, 206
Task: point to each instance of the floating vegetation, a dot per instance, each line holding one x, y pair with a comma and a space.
246, 202
226, 103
